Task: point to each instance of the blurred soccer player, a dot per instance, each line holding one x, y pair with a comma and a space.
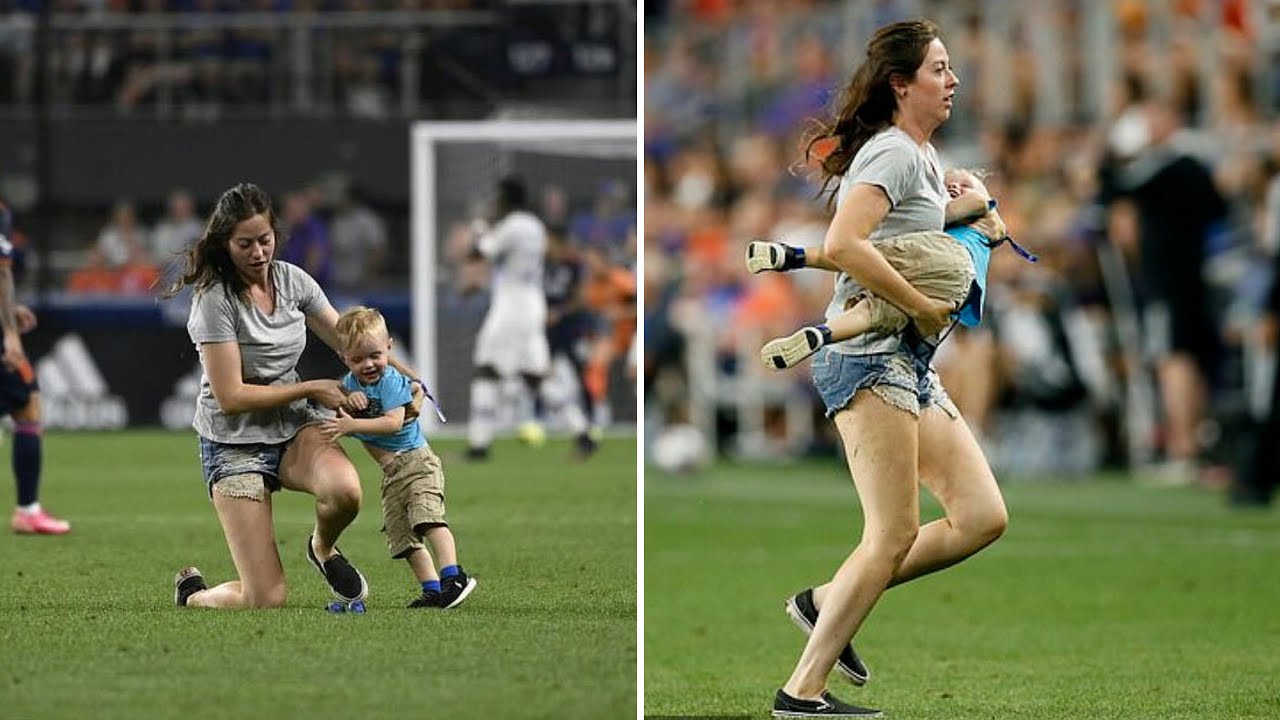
568, 327
512, 339
20, 399
610, 292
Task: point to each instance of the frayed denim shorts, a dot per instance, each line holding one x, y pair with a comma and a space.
219, 460
900, 378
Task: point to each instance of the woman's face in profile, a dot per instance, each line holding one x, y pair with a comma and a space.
930, 93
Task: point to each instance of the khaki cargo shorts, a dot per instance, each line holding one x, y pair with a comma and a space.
412, 496
933, 262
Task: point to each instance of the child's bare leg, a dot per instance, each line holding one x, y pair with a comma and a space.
423, 568
785, 352
441, 539
851, 323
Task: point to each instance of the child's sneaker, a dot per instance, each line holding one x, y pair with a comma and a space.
428, 599
186, 583
762, 256
38, 523
782, 353
456, 589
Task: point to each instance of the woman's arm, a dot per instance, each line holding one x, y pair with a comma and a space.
234, 395
849, 247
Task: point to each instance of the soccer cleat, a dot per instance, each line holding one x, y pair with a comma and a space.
827, 706
804, 614
763, 256
346, 582
456, 589
785, 352
38, 523
477, 454
584, 446
428, 599
186, 583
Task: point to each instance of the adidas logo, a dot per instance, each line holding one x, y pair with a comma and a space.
179, 409
73, 392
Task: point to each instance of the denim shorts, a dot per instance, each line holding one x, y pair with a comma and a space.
219, 460
900, 378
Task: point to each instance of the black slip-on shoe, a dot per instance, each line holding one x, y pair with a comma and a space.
186, 583
346, 582
827, 706
804, 614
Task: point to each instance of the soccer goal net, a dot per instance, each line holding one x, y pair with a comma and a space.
577, 174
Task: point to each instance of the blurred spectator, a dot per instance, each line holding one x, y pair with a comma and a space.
177, 230
1177, 205
122, 238
609, 220
95, 278
359, 240
307, 244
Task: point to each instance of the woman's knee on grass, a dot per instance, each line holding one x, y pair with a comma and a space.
272, 595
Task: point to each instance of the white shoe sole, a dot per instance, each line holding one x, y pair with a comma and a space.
787, 352
761, 257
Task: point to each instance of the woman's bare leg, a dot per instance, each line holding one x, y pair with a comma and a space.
955, 471
247, 525
316, 466
880, 444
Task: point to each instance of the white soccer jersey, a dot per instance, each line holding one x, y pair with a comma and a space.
513, 337
516, 247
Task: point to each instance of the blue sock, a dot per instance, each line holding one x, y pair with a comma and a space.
448, 572
27, 438
430, 586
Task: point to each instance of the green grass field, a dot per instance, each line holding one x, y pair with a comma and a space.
1103, 600
88, 628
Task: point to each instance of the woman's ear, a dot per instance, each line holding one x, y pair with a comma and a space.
899, 85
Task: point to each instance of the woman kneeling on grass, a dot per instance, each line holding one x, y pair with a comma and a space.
258, 422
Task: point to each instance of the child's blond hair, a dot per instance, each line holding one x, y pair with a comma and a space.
360, 322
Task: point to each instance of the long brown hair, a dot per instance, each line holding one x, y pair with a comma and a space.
208, 261
866, 105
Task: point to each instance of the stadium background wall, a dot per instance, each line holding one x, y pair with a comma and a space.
91, 162
149, 370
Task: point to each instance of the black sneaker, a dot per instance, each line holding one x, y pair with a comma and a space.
428, 599
828, 706
455, 589
477, 454
804, 614
344, 579
584, 446
186, 583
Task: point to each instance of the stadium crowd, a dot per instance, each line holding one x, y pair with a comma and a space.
1076, 368
381, 59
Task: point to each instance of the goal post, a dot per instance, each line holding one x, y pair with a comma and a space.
494, 144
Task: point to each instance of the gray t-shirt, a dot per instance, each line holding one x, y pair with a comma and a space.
270, 346
911, 177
